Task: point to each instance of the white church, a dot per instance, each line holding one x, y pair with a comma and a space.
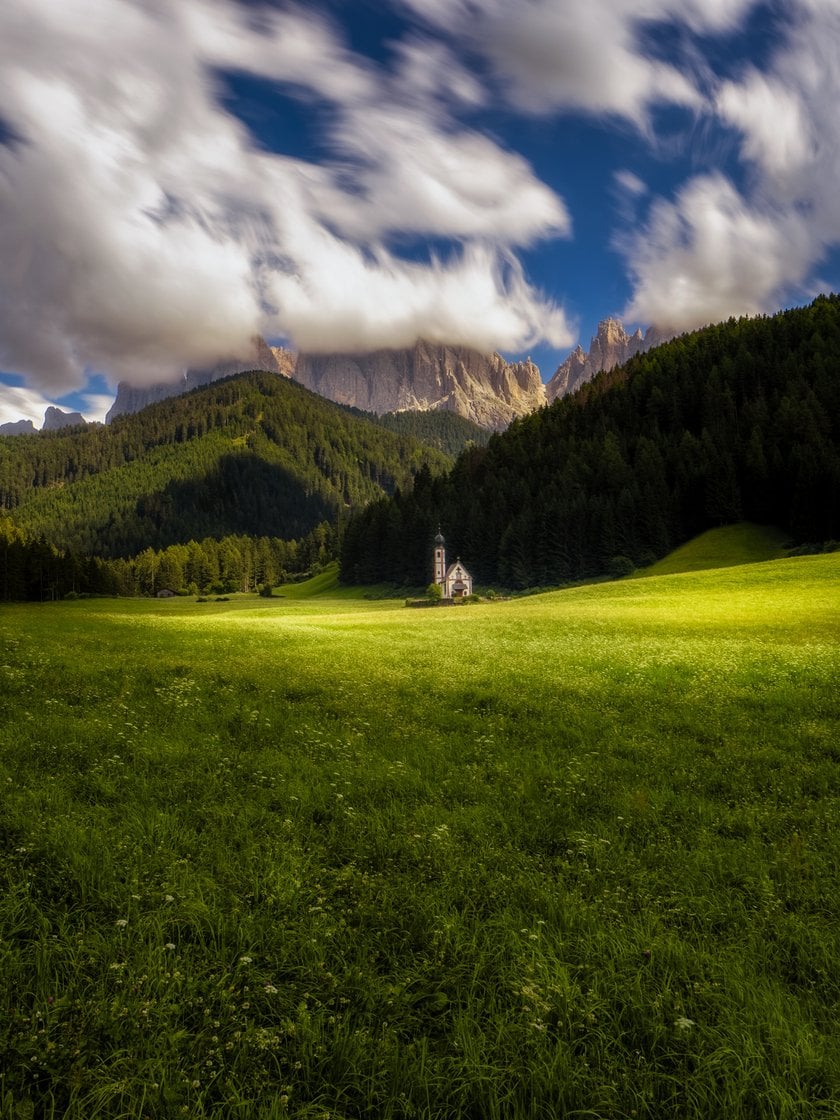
455, 581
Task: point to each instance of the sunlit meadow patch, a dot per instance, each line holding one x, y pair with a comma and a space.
577, 853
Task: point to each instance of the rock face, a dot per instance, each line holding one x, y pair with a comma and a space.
17, 428
55, 419
285, 359
130, 399
611, 346
482, 387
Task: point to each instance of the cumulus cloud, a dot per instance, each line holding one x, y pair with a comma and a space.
716, 250
709, 255
142, 229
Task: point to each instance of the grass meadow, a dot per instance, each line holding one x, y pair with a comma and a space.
573, 855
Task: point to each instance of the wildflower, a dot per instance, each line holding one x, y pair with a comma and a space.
270, 989
169, 898
121, 923
683, 1024
246, 960
169, 945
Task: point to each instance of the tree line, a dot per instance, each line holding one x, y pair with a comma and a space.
33, 569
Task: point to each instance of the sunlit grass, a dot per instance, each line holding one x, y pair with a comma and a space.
576, 854
725, 547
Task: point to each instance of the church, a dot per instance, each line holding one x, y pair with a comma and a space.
455, 581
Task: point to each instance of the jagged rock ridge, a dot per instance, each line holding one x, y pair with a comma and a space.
612, 346
483, 388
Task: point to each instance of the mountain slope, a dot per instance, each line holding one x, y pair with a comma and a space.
252, 454
739, 421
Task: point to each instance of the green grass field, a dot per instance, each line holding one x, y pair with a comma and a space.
574, 855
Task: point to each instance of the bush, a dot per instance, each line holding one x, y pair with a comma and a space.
620, 566
434, 592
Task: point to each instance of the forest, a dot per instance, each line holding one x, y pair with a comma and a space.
233, 486
739, 421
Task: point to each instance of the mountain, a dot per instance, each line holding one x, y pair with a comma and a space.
17, 428
55, 419
736, 422
483, 388
612, 346
252, 454
130, 399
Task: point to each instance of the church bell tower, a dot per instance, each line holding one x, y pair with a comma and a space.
440, 558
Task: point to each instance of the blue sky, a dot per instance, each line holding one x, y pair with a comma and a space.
177, 176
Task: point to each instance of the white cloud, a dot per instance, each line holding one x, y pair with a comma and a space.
630, 183
18, 403
709, 255
431, 69
551, 55
95, 406
716, 251
350, 302
142, 229
774, 120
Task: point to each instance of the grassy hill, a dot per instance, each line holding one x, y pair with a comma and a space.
572, 854
253, 454
724, 547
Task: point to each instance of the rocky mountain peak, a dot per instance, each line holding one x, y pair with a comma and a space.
611, 346
428, 376
55, 419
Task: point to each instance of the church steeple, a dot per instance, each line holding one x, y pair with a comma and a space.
440, 558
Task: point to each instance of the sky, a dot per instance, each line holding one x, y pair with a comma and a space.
177, 176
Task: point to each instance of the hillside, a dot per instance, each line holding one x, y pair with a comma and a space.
253, 454
726, 547
444, 431
740, 421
